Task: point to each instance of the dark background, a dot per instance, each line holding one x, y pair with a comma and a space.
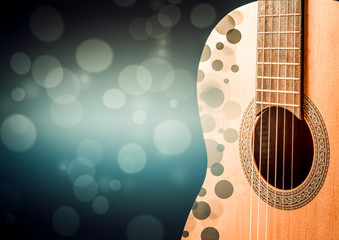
34, 182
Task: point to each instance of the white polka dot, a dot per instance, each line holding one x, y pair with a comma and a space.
100, 205
135, 80
203, 15
139, 117
18, 94
85, 188
47, 71
66, 115
65, 221
90, 149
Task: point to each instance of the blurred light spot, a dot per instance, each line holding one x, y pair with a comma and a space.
115, 185
203, 15
31, 89
169, 16
173, 103
132, 158
66, 115
65, 221
100, 205
46, 24
47, 71
139, 117
10, 218
20, 63
155, 30
10, 198
161, 52
67, 90
63, 166
94, 55
18, 133
145, 227
172, 137
137, 28
18, 94
114, 98
158, 68
90, 149
125, 3
179, 84
85, 188
135, 80
80, 166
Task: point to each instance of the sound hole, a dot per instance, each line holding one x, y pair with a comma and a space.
273, 148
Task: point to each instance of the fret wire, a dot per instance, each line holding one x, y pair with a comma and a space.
283, 15
279, 32
279, 63
278, 104
277, 91
274, 78
278, 48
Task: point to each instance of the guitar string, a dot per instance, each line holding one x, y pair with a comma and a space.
269, 125
276, 119
284, 118
294, 75
261, 108
255, 96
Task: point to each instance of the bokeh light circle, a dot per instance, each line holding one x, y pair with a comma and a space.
100, 205
173, 103
145, 227
203, 15
66, 115
132, 158
46, 24
90, 149
169, 15
85, 188
137, 29
18, 133
67, 90
18, 94
80, 166
158, 68
47, 71
172, 137
20, 63
115, 185
135, 80
94, 55
114, 98
65, 221
155, 29
179, 84
139, 117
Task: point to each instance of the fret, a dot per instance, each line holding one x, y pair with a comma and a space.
277, 39
278, 78
278, 48
277, 97
279, 32
277, 54
279, 63
278, 104
278, 15
275, 70
279, 85
277, 91
279, 23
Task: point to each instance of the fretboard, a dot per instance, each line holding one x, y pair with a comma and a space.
279, 55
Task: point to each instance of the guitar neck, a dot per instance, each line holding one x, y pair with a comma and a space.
279, 59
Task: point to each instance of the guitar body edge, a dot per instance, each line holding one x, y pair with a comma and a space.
227, 207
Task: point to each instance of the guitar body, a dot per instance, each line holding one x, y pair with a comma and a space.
228, 207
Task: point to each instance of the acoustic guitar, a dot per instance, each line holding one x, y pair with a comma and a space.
268, 98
